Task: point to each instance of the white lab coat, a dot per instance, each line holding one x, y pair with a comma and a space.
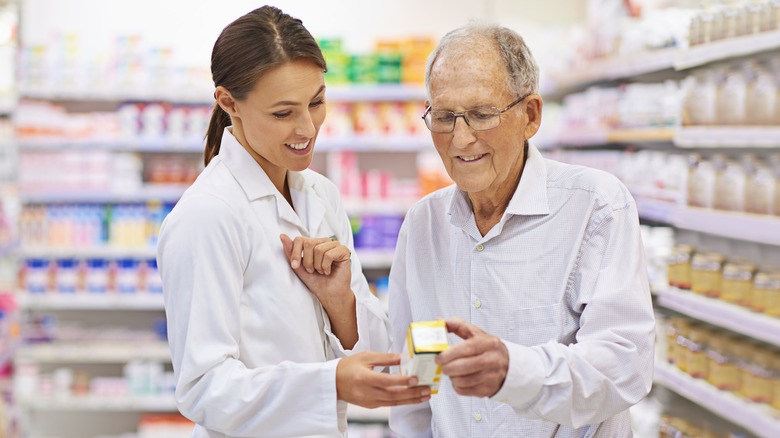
253, 353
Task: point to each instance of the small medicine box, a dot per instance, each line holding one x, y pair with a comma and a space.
424, 340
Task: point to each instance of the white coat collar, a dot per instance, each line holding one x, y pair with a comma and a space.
257, 185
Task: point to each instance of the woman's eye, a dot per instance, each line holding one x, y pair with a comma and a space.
282, 115
316, 103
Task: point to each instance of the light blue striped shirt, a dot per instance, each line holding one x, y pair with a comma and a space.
561, 279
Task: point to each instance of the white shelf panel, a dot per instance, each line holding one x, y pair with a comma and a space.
600, 137
656, 210
375, 259
374, 143
121, 94
361, 414
734, 225
640, 63
151, 403
722, 314
149, 192
90, 301
376, 92
109, 252
128, 145
727, 49
727, 136
758, 419
336, 93
93, 352
383, 207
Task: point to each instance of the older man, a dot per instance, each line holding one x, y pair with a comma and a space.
538, 266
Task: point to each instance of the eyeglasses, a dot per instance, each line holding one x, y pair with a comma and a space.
478, 119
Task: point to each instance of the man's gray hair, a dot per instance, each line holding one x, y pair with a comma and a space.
523, 73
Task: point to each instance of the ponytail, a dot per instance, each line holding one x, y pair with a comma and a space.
219, 121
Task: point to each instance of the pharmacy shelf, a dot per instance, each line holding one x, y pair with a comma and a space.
733, 225
375, 258
601, 137
656, 210
93, 352
162, 145
377, 143
391, 207
201, 96
357, 143
148, 192
628, 67
336, 93
609, 69
149, 403
376, 92
90, 301
727, 49
106, 251
730, 224
364, 415
721, 314
727, 137
758, 419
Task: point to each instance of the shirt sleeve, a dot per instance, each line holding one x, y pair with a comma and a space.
408, 421
610, 367
202, 253
372, 321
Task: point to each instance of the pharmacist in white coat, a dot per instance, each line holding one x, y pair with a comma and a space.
271, 324
537, 265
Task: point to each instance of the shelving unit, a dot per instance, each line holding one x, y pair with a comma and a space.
93, 352
733, 225
673, 63
666, 61
760, 420
722, 314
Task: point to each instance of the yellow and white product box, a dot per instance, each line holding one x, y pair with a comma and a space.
424, 340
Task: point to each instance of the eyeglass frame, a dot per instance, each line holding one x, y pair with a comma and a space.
465, 119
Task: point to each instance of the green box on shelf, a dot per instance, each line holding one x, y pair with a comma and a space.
388, 68
363, 69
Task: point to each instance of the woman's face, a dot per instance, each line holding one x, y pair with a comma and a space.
279, 120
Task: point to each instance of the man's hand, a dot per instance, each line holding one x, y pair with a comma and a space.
478, 365
359, 384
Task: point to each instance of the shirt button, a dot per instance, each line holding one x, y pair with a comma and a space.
477, 304
480, 247
478, 416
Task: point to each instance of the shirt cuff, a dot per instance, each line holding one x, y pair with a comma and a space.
363, 326
524, 378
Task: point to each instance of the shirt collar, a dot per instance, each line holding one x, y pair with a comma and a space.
249, 175
530, 197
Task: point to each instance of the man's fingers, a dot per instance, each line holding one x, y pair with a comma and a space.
462, 328
465, 349
286, 245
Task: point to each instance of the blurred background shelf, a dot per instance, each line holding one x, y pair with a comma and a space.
760, 420
88, 301
93, 352
722, 314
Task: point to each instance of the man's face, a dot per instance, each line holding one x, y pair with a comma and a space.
480, 162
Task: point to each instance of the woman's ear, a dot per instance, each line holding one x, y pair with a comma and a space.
225, 100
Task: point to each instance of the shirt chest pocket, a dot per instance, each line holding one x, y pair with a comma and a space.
537, 325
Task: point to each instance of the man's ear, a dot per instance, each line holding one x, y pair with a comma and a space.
225, 100
533, 112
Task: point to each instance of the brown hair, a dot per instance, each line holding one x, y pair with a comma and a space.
247, 48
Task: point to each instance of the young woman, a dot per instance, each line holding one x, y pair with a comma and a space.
271, 323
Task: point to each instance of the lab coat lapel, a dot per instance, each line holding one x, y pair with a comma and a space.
308, 206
